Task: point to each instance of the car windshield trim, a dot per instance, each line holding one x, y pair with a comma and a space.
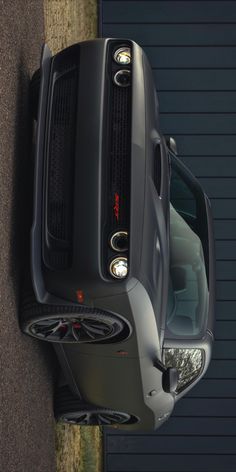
188, 296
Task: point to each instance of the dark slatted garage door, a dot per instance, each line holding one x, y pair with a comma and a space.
192, 49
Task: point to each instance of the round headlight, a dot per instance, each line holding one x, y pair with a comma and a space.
119, 241
122, 78
119, 267
122, 56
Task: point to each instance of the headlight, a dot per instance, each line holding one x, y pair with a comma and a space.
119, 267
119, 241
122, 78
122, 55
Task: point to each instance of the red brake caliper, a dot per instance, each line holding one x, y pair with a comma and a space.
77, 325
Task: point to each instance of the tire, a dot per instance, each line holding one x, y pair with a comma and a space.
34, 93
70, 409
68, 324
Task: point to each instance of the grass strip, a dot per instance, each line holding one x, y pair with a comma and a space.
78, 448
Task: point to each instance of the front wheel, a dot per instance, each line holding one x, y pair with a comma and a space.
70, 409
70, 324
94, 416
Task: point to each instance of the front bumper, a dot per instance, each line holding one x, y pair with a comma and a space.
75, 256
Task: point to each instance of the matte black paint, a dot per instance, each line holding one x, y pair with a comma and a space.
97, 372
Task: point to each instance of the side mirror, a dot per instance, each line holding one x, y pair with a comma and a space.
171, 144
170, 376
170, 380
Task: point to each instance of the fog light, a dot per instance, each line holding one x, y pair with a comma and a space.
119, 241
122, 78
119, 267
122, 55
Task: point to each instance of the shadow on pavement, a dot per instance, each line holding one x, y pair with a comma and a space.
28, 367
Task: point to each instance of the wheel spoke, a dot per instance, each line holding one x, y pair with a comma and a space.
82, 419
46, 330
45, 327
94, 329
63, 332
87, 331
68, 334
103, 329
99, 420
98, 326
75, 333
57, 328
102, 419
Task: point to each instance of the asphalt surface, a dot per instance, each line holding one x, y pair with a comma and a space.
27, 367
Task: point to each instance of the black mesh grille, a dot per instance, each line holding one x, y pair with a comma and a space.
60, 169
61, 157
119, 158
59, 259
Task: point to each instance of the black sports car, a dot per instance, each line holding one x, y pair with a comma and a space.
122, 255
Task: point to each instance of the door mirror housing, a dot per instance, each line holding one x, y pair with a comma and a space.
170, 380
170, 376
171, 144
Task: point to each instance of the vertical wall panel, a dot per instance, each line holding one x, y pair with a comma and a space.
191, 46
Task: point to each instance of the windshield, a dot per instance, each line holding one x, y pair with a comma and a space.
188, 285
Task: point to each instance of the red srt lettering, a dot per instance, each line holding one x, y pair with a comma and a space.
116, 207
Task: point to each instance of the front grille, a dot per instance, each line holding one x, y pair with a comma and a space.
119, 172
61, 157
60, 170
117, 156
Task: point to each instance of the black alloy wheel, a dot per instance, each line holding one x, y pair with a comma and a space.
70, 323
95, 416
69, 408
78, 328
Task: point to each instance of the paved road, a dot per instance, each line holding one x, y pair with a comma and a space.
26, 366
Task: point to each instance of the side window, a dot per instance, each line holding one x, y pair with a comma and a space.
188, 289
182, 198
188, 362
188, 294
